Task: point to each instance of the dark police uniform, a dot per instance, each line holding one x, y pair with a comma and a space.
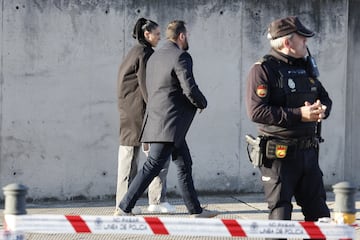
276, 89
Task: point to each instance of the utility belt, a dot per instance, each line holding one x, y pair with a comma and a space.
276, 148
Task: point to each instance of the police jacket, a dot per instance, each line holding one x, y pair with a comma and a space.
277, 87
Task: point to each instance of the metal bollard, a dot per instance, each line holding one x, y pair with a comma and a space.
15, 202
344, 209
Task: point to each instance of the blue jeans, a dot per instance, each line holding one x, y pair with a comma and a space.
159, 154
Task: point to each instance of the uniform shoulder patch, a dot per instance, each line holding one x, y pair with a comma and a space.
261, 90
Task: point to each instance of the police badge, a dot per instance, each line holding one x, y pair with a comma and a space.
291, 84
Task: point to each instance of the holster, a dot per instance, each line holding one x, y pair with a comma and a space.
256, 149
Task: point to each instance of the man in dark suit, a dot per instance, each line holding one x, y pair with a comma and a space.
173, 99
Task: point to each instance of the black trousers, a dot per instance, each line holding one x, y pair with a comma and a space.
296, 176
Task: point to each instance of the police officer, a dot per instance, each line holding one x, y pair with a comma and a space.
287, 101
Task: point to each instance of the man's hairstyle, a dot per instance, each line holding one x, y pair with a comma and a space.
278, 42
174, 29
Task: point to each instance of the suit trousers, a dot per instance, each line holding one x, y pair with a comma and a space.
159, 154
128, 159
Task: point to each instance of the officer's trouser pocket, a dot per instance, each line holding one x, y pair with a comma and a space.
271, 180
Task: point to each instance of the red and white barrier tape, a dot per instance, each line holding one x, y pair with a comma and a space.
177, 226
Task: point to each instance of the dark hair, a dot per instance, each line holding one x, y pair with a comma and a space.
174, 29
141, 26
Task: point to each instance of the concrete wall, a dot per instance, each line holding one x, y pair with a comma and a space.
352, 107
59, 61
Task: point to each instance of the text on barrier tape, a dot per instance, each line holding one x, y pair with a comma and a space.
177, 226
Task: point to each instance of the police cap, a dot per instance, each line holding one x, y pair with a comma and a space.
285, 26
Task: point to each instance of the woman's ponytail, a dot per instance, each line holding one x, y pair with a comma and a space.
142, 25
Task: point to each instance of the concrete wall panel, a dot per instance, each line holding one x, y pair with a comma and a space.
352, 108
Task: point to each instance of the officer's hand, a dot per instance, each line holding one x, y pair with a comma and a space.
312, 112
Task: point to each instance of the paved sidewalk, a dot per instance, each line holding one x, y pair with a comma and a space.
239, 206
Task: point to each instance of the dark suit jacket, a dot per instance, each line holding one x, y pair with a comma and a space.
173, 95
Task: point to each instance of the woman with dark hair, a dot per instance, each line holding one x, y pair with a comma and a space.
132, 98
